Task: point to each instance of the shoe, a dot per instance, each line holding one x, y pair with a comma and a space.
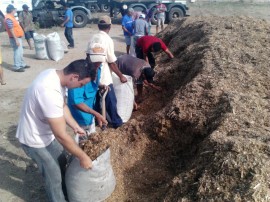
19, 70
70, 47
26, 67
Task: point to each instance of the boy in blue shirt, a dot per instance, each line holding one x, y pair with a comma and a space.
68, 23
127, 26
81, 100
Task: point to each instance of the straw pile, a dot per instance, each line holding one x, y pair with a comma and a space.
206, 136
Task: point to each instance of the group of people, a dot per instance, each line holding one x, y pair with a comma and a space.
138, 24
48, 108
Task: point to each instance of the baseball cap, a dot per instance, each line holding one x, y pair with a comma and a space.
25, 6
105, 20
149, 74
96, 52
142, 15
10, 8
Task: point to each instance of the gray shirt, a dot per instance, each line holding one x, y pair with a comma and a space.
131, 66
140, 27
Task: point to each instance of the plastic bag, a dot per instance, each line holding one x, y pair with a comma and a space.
55, 48
40, 46
92, 185
124, 93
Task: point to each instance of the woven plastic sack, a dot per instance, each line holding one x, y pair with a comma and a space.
124, 93
55, 48
40, 46
91, 185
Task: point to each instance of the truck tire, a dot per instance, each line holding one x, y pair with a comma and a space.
93, 8
175, 13
80, 19
2, 26
105, 8
138, 8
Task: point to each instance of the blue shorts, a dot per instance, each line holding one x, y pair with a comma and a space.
128, 40
29, 35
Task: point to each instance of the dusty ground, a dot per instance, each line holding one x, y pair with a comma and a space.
150, 162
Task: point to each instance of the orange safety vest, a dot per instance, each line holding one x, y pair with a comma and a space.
17, 29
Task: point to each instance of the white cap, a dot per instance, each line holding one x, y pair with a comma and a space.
96, 52
142, 15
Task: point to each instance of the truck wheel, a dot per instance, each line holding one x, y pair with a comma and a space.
105, 8
80, 18
93, 8
175, 13
2, 26
154, 17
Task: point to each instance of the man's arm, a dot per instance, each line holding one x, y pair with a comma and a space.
168, 52
58, 126
125, 29
14, 37
83, 107
66, 20
115, 69
72, 122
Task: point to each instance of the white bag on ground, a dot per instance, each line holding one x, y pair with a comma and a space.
91, 185
124, 93
40, 46
55, 48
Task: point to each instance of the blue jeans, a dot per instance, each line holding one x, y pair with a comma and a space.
111, 107
69, 36
51, 162
18, 53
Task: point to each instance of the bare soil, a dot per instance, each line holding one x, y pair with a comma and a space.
204, 138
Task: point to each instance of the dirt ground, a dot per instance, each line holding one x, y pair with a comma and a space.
164, 152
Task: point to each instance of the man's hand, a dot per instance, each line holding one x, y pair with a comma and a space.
62, 25
101, 120
85, 161
78, 130
123, 79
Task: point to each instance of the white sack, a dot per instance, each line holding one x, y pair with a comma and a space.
91, 185
124, 93
40, 46
55, 48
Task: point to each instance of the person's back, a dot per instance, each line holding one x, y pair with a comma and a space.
131, 66
140, 27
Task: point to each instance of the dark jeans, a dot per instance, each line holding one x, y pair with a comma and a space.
111, 108
151, 59
51, 162
69, 36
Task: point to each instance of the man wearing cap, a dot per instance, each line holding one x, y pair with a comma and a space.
68, 24
140, 28
127, 26
161, 9
15, 33
26, 22
81, 100
140, 71
148, 44
102, 37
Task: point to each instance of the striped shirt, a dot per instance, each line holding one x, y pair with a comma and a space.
9, 23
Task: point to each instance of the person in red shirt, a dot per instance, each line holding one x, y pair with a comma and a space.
148, 44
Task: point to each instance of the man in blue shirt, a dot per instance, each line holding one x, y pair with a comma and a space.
127, 26
68, 23
81, 100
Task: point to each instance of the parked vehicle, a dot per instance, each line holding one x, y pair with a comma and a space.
175, 8
94, 6
48, 13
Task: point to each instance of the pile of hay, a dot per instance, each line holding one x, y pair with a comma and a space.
206, 136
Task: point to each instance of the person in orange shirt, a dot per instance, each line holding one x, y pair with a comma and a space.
15, 33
